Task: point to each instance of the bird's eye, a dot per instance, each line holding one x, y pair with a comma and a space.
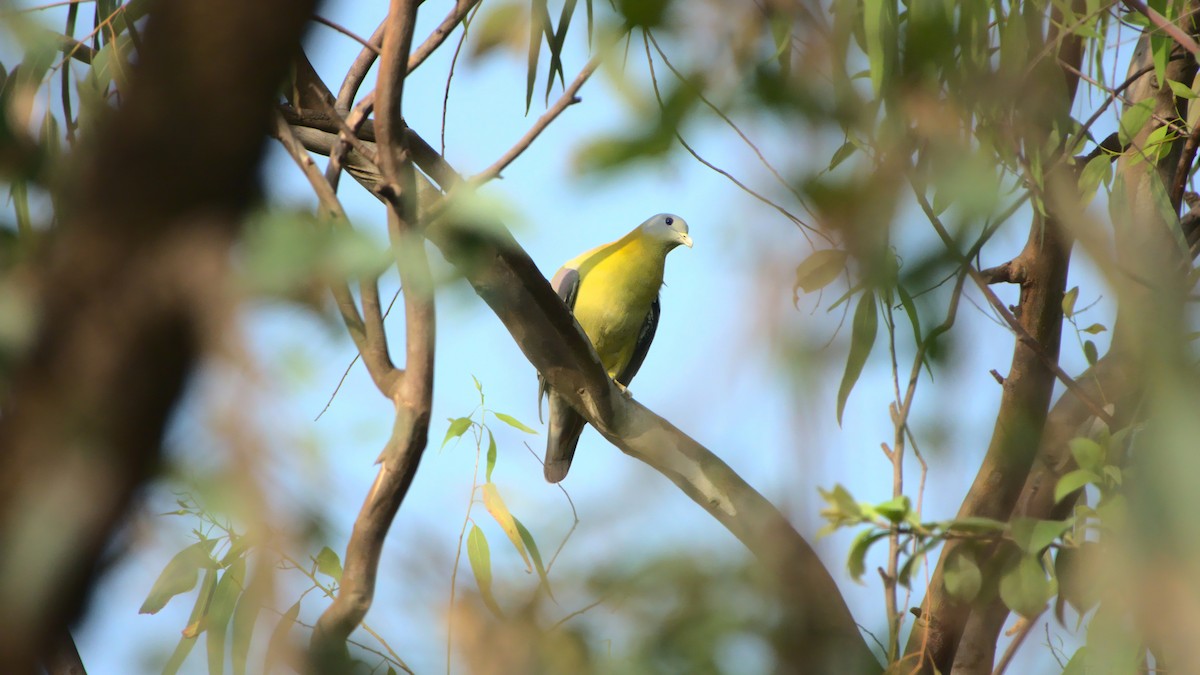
670, 221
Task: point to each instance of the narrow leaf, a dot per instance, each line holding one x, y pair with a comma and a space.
244, 618
531, 546
1181, 90
818, 271
862, 339
480, 557
491, 456
220, 612
188, 641
179, 576
499, 510
278, 647
514, 423
1068, 302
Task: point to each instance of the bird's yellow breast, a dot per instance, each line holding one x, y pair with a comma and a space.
616, 289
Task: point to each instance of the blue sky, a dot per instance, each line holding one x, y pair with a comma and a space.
714, 371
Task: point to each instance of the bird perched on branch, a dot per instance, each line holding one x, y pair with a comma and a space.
613, 292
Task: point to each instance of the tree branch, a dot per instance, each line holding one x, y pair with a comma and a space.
132, 290
413, 392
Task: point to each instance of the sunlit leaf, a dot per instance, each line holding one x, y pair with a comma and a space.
491, 456
1133, 119
457, 428
329, 564
495, 505
1068, 302
1181, 90
480, 557
514, 423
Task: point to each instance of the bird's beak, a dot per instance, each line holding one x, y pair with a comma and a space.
685, 240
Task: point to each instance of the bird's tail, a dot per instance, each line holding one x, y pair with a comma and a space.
562, 435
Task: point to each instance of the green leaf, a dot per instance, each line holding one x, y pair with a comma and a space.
1073, 481
514, 423
1033, 535
1133, 119
1181, 90
862, 339
1025, 588
842, 509
1068, 302
188, 641
480, 557
458, 427
1078, 663
179, 576
841, 154
1090, 353
879, 27
1087, 453
329, 564
856, 561
499, 510
277, 646
491, 456
895, 509
1076, 571
962, 576
531, 546
1098, 171
244, 618
818, 271
220, 611
538, 24
1095, 329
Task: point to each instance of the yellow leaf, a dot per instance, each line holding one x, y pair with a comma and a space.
496, 506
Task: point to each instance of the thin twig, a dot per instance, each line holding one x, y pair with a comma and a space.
347, 32
1016, 643
568, 98
439, 34
574, 614
353, 361
686, 146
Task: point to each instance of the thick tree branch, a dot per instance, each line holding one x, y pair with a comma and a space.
1118, 377
134, 287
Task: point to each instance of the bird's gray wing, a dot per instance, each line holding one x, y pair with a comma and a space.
565, 425
644, 338
566, 284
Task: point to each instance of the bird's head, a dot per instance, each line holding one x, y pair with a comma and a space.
668, 228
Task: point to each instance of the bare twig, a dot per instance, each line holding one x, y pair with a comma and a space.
1011, 651
568, 98
439, 34
347, 32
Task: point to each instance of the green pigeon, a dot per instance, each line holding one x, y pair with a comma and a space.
613, 292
